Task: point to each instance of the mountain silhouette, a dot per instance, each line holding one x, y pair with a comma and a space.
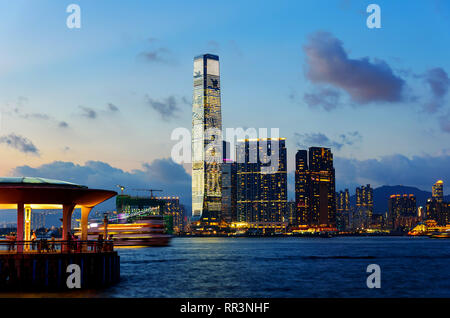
381, 196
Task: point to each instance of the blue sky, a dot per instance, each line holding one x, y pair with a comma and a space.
57, 85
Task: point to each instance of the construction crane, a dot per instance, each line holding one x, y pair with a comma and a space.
121, 188
151, 191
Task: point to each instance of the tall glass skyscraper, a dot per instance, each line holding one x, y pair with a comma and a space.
206, 140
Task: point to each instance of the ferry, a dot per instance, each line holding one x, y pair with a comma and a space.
440, 235
144, 231
431, 229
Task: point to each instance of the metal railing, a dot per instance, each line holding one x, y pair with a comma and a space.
41, 246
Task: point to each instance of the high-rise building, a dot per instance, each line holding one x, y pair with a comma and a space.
37, 220
206, 130
302, 192
438, 211
401, 207
261, 194
315, 186
438, 191
291, 212
343, 210
172, 209
364, 197
436, 208
343, 201
229, 190
364, 206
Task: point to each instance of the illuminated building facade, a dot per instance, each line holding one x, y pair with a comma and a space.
37, 220
133, 205
342, 209
364, 198
343, 201
315, 185
364, 205
229, 186
438, 211
436, 208
229, 191
206, 130
401, 207
261, 197
438, 191
172, 208
291, 213
169, 207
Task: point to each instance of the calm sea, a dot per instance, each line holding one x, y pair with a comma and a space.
285, 267
280, 267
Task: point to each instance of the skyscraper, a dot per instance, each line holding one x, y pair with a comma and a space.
229, 191
342, 209
229, 186
206, 140
172, 209
364, 197
261, 197
437, 209
343, 201
364, 206
315, 187
438, 191
401, 207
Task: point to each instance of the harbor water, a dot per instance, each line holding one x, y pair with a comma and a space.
285, 267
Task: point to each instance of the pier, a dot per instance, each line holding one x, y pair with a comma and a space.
27, 264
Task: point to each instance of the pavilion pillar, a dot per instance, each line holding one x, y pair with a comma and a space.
20, 225
67, 224
85, 210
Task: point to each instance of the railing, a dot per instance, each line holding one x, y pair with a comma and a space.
42, 246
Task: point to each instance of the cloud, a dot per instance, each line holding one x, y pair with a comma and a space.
419, 171
351, 138
325, 98
444, 122
35, 116
438, 81
63, 124
20, 143
186, 101
213, 46
18, 111
113, 107
364, 80
160, 174
321, 140
88, 112
166, 108
158, 55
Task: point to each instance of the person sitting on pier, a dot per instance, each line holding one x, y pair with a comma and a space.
12, 243
100, 243
53, 247
110, 243
33, 240
44, 245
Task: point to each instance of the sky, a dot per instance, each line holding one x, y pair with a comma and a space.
97, 105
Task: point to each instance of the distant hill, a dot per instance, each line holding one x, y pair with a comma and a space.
381, 196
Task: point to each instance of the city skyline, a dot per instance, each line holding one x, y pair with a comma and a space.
215, 157
145, 91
